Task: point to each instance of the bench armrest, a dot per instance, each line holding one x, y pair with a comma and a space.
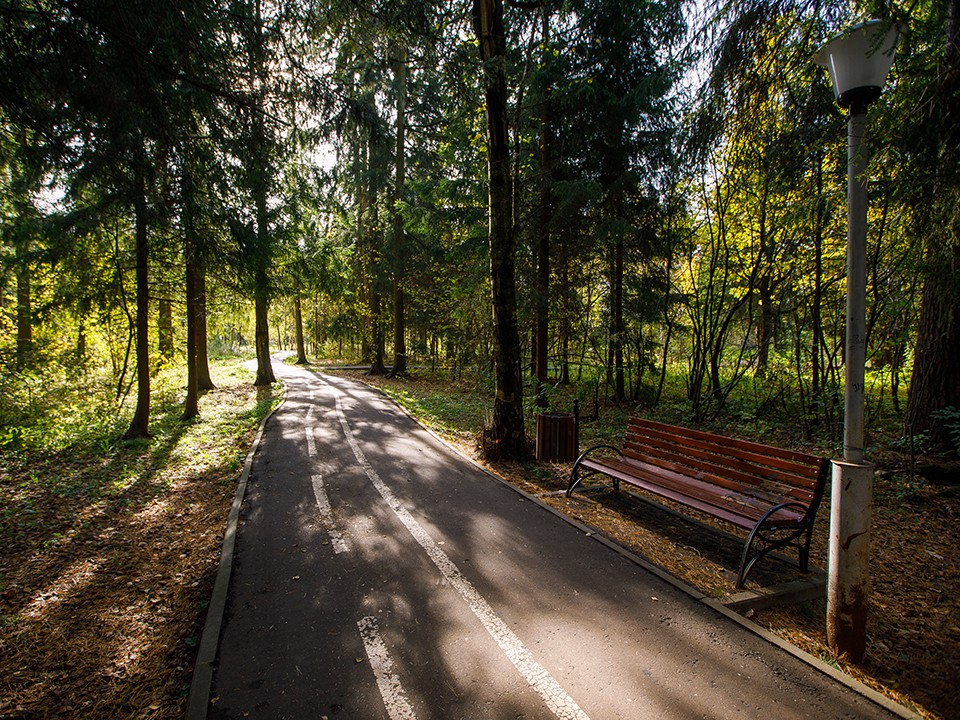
575, 476
597, 447
776, 508
804, 528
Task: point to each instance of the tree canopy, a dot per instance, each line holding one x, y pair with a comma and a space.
643, 197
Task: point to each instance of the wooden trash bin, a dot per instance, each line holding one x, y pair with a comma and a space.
556, 437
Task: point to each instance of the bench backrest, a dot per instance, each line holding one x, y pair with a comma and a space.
728, 462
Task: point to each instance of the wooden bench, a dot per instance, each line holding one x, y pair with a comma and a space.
772, 493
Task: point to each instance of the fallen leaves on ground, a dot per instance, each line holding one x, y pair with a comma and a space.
104, 584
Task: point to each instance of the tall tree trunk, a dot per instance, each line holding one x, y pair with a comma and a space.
140, 424
399, 241
816, 311
565, 312
317, 337
24, 309
936, 376
617, 330
378, 364
261, 292
542, 295
260, 190
765, 324
165, 328
261, 342
936, 366
204, 381
363, 266
261, 288
191, 405
764, 289
505, 438
668, 321
399, 330
298, 321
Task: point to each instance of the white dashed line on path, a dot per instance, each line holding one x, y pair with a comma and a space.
326, 515
394, 697
539, 679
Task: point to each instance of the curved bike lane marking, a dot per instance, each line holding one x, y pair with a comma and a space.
537, 676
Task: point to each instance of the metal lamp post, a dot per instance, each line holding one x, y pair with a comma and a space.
858, 61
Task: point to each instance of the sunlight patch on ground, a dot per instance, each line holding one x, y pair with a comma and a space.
70, 583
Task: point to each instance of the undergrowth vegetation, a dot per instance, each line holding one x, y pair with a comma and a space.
108, 547
459, 403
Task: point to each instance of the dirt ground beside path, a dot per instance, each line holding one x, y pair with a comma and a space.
107, 562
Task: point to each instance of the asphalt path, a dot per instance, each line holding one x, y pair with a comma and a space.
379, 575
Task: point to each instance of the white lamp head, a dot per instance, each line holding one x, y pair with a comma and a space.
858, 61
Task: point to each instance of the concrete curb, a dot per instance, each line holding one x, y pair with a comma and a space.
816, 663
199, 700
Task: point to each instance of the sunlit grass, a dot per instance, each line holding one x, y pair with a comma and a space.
85, 462
452, 409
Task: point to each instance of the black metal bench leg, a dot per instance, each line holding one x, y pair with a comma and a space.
574, 479
804, 547
577, 475
745, 566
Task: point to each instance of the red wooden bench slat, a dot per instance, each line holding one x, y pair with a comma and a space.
798, 469
759, 448
727, 458
732, 477
739, 481
736, 507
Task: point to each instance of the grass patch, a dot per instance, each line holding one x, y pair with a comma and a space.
454, 409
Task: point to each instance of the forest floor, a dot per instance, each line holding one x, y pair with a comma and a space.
108, 556
913, 653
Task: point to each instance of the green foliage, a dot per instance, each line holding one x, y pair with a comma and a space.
454, 409
906, 486
55, 408
950, 417
66, 452
263, 142
920, 442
